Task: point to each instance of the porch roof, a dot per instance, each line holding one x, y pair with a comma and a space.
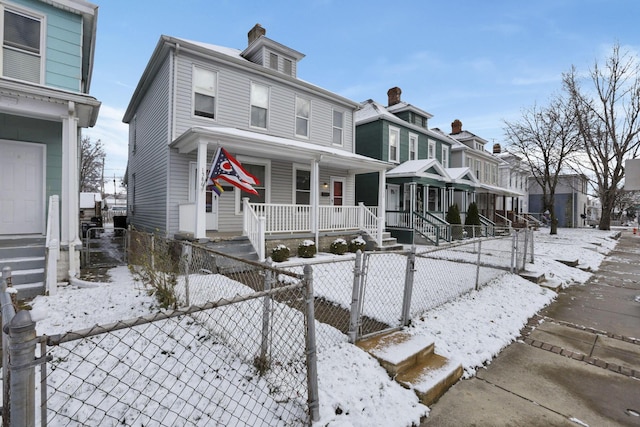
486, 188
256, 144
424, 168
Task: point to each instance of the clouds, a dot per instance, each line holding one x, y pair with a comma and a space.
114, 136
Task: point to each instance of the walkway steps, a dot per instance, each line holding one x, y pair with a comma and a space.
412, 362
25, 255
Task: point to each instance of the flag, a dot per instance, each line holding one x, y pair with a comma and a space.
225, 166
215, 186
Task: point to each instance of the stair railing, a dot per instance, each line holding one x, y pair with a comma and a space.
426, 228
52, 244
254, 228
488, 225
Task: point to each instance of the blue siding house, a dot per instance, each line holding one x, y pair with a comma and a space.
46, 62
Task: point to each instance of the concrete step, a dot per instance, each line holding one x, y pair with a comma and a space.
30, 290
412, 362
239, 247
534, 277
569, 262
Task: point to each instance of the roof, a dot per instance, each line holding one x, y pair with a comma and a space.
243, 142
405, 106
420, 168
88, 200
221, 54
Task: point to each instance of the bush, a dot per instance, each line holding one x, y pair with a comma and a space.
158, 270
357, 244
307, 249
472, 221
453, 218
280, 253
338, 247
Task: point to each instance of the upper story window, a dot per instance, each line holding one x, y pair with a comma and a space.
303, 112
413, 146
287, 67
338, 127
478, 169
445, 157
204, 93
259, 105
487, 172
273, 61
431, 150
22, 46
394, 144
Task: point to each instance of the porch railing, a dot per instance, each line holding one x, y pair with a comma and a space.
284, 218
443, 226
52, 244
488, 225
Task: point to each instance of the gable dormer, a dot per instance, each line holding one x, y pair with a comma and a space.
270, 54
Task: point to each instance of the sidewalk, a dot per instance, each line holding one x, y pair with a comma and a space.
577, 363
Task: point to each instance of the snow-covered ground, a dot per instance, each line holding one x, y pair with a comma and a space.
354, 389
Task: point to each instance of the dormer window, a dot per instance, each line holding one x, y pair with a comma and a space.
287, 67
22, 46
273, 61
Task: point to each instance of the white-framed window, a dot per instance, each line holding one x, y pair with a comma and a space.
413, 146
302, 185
204, 92
259, 105
273, 61
445, 157
303, 114
261, 169
487, 172
338, 127
478, 169
431, 149
470, 163
22, 44
394, 144
287, 66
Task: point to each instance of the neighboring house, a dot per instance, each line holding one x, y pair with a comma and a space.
470, 153
513, 175
295, 137
422, 186
571, 203
45, 74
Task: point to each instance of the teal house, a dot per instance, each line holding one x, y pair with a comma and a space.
45, 74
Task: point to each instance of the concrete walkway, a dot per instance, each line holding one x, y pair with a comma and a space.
576, 364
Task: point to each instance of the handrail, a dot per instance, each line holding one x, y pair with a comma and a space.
370, 223
506, 220
426, 229
436, 218
254, 228
52, 243
489, 225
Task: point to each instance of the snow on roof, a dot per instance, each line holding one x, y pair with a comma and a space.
457, 173
229, 51
88, 200
413, 167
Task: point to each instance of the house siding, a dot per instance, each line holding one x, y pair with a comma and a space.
150, 160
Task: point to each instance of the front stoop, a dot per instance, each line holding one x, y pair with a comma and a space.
412, 362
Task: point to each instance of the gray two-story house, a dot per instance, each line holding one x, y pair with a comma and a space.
46, 64
296, 138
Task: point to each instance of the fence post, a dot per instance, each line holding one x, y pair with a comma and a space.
8, 312
187, 252
355, 299
514, 248
22, 348
478, 263
312, 360
408, 286
269, 279
526, 247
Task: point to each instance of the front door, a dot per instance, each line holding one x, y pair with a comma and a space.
22, 168
337, 191
393, 217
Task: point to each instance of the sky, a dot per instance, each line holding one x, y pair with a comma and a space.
486, 321
479, 62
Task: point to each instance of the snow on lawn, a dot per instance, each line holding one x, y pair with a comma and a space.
354, 389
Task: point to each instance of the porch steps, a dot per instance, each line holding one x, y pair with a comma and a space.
25, 255
411, 360
236, 246
389, 243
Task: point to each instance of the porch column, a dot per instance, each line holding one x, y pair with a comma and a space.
382, 204
200, 231
315, 199
70, 211
425, 199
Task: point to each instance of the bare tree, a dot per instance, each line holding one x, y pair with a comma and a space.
608, 120
547, 139
91, 165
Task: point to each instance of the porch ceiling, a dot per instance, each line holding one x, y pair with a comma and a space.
272, 147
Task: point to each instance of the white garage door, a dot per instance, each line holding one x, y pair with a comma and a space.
21, 188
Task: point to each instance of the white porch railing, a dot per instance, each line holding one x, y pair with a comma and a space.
53, 244
260, 219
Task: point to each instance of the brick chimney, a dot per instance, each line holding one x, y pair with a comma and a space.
456, 127
496, 148
256, 32
394, 95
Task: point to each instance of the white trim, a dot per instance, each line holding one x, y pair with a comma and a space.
393, 129
294, 191
35, 15
295, 117
413, 137
333, 126
256, 83
195, 67
431, 149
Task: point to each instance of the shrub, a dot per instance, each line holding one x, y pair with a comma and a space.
453, 218
472, 221
307, 249
357, 244
339, 247
280, 253
158, 271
